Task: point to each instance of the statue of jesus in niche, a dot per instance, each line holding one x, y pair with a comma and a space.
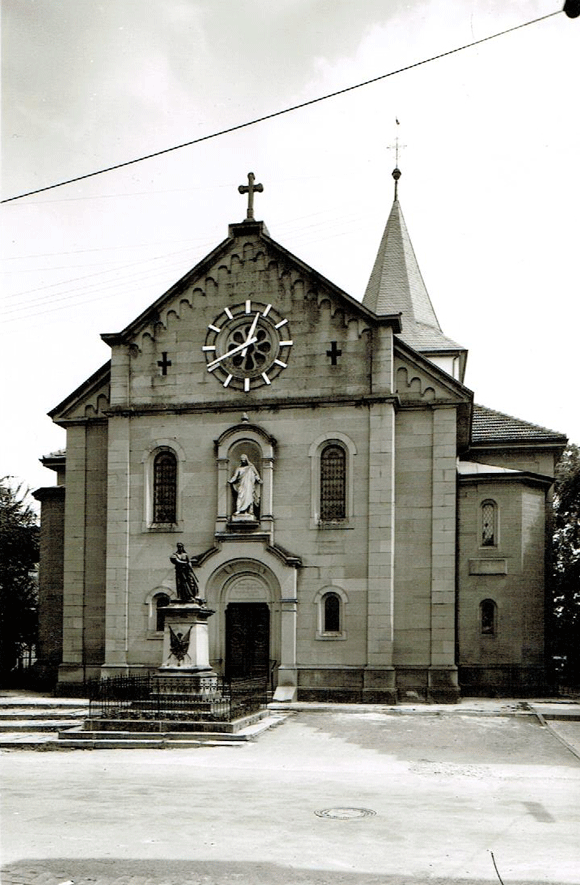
246, 484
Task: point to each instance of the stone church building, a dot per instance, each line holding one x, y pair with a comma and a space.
391, 539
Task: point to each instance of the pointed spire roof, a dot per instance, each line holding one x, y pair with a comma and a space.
396, 285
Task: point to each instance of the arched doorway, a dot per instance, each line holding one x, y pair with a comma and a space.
247, 623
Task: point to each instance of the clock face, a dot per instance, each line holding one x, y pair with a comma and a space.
247, 345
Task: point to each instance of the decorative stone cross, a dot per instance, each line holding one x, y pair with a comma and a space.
164, 363
249, 189
334, 353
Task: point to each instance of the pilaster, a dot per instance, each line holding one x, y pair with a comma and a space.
72, 666
118, 527
381, 535
287, 670
443, 683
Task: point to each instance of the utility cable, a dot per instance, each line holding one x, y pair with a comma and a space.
288, 110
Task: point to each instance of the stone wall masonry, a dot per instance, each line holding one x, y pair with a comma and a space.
331, 556
96, 539
443, 538
50, 581
413, 530
532, 458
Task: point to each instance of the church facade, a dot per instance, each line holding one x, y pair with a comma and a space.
361, 529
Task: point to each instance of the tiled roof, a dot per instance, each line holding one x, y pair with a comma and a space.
491, 426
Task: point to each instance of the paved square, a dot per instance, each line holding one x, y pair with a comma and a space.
446, 791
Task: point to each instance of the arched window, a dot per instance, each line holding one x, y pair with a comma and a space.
489, 524
331, 614
332, 483
160, 600
488, 617
165, 488
331, 603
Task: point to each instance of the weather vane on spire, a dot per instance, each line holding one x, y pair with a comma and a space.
249, 189
395, 147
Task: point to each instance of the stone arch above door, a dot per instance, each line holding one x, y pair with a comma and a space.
243, 583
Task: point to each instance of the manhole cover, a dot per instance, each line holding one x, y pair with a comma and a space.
345, 813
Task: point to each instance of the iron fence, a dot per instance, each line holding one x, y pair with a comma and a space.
186, 698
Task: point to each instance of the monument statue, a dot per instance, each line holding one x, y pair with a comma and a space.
185, 582
246, 484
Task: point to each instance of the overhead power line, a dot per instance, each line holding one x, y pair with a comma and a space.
288, 110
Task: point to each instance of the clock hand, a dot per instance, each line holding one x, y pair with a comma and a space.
251, 333
232, 352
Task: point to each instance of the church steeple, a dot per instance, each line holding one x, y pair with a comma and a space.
396, 285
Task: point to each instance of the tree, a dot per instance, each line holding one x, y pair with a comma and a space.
566, 563
19, 553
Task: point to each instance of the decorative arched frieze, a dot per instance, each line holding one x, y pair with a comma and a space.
413, 386
98, 407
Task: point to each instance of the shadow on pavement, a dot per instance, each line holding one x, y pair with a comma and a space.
435, 738
123, 871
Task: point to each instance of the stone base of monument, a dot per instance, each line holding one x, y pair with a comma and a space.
182, 703
185, 640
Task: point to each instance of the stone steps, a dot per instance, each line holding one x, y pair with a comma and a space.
35, 719
118, 740
89, 739
43, 724
7, 715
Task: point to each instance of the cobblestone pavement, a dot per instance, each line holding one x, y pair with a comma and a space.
446, 791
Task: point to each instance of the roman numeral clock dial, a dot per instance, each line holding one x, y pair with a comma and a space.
247, 346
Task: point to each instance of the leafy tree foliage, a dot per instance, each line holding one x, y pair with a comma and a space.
566, 560
19, 543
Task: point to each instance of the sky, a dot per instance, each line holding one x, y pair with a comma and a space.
490, 189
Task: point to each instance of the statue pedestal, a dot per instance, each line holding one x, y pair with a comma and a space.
185, 640
243, 522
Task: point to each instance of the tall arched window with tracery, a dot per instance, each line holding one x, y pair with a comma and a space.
165, 488
332, 483
489, 524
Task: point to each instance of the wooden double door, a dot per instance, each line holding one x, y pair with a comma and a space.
247, 640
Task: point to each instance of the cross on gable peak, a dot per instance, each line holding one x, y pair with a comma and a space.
250, 188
